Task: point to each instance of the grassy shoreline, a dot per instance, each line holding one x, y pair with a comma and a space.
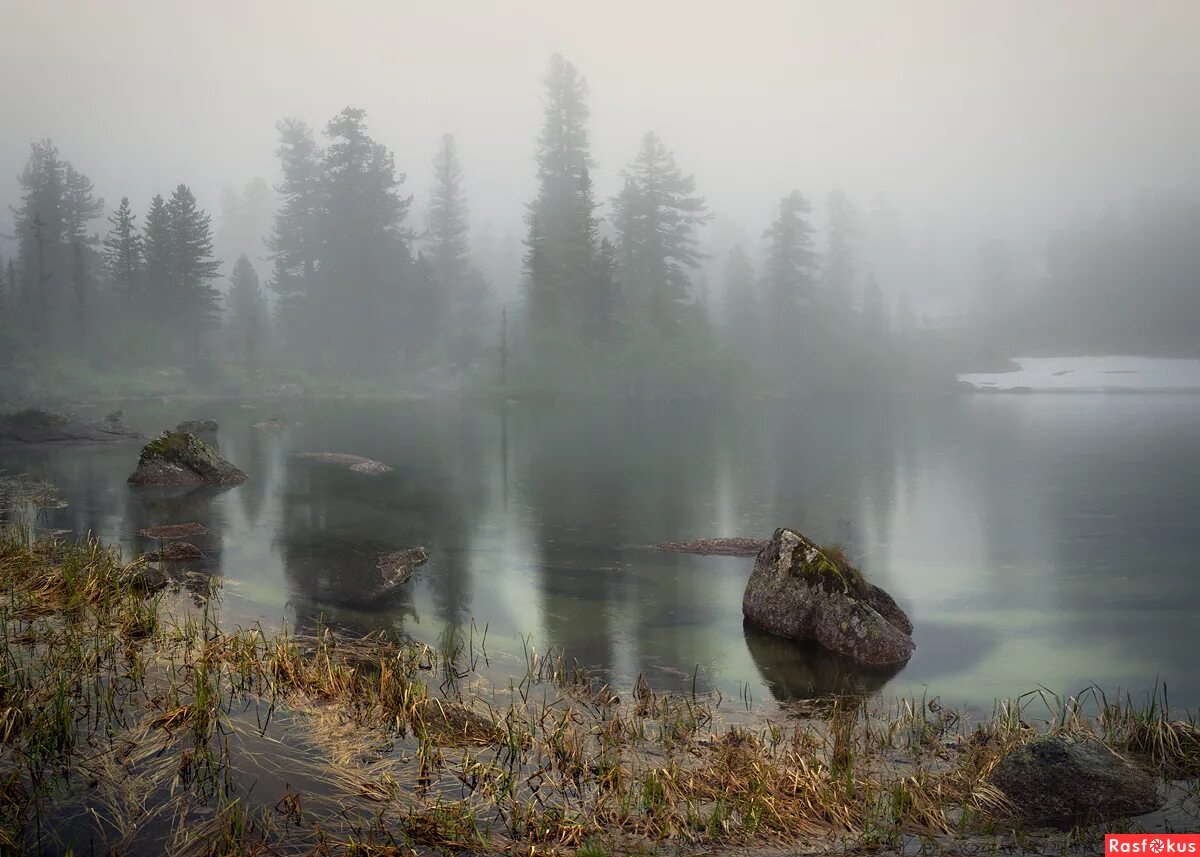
133, 722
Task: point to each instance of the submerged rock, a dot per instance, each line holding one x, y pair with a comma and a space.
181, 458
199, 426
734, 546
396, 568
356, 463
175, 552
1065, 780
36, 426
805, 592
173, 531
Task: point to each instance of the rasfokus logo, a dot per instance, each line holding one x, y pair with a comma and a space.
1152, 843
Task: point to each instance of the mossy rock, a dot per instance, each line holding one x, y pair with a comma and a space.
1067, 780
181, 458
802, 591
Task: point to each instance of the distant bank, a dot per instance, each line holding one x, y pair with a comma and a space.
1108, 374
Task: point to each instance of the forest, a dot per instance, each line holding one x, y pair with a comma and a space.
354, 287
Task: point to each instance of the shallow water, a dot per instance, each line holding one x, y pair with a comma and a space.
1039, 540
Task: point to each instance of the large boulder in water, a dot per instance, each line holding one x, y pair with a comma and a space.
36, 426
805, 592
1066, 780
181, 458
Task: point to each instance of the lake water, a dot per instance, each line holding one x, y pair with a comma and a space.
1034, 540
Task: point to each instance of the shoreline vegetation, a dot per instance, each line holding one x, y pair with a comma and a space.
138, 723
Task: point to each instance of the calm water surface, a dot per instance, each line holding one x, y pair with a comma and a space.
1034, 540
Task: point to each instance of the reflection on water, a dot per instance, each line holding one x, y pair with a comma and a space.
1033, 540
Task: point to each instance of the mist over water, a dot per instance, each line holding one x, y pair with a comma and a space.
589, 285
1033, 540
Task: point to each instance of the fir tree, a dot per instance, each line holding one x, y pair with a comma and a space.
158, 254
80, 205
366, 263
247, 315
123, 255
40, 228
789, 273
561, 242
194, 303
294, 242
461, 288
656, 215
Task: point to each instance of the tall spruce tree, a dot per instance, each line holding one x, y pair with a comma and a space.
295, 240
123, 256
158, 254
40, 227
790, 269
365, 246
194, 302
560, 267
247, 315
461, 289
656, 216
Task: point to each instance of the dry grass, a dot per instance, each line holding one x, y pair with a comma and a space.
145, 725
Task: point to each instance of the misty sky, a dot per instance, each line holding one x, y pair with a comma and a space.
966, 116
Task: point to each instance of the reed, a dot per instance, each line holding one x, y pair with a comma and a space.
145, 723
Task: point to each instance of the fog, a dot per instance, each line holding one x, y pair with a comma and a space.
953, 127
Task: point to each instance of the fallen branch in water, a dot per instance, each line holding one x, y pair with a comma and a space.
735, 546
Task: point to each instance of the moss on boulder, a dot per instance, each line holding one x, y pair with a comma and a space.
805, 592
181, 458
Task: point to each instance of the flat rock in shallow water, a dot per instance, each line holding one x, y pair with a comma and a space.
180, 458
34, 426
356, 463
803, 591
735, 546
1065, 780
173, 531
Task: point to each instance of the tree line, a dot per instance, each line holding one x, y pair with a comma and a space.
613, 292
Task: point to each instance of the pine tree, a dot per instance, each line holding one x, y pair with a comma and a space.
561, 242
461, 289
123, 256
294, 242
195, 304
656, 215
158, 253
367, 266
247, 315
80, 205
40, 233
789, 273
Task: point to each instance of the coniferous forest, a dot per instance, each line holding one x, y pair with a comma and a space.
354, 285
